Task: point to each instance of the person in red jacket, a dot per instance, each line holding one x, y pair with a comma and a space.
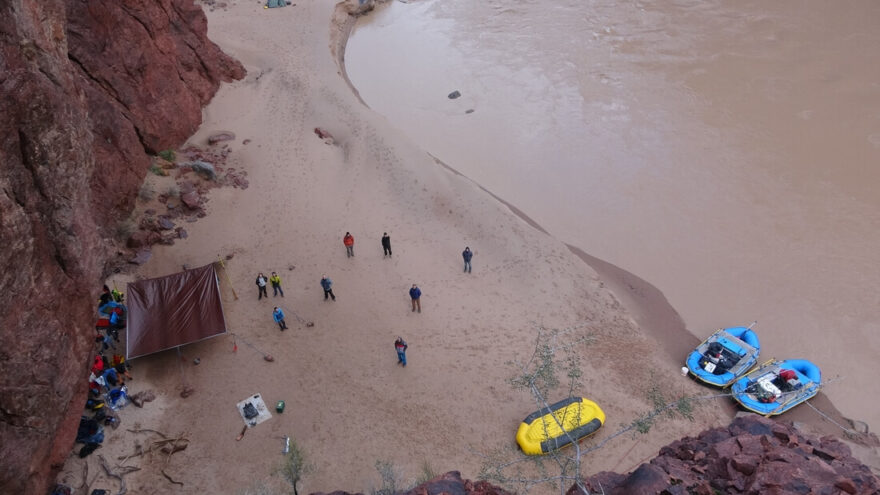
348, 240
400, 346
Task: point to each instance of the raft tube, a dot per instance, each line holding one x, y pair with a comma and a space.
809, 379
540, 433
739, 341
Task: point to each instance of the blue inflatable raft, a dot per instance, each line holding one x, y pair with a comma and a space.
777, 386
725, 356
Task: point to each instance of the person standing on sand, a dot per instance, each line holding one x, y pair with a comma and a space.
278, 316
348, 240
326, 284
467, 254
261, 285
386, 244
276, 285
415, 294
400, 346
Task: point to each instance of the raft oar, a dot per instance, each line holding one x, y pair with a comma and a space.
759, 368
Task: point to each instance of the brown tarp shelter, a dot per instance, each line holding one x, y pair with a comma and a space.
173, 310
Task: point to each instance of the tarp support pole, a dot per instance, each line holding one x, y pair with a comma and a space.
223, 265
180, 367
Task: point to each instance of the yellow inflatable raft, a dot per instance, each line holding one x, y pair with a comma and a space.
540, 433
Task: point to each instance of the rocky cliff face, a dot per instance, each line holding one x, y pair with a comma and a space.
450, 483
87, 89
753, 455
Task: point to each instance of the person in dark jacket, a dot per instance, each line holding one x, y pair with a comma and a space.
261, 285
400, 346
326, 284
415, 294
386, 244
106, 296
467, 254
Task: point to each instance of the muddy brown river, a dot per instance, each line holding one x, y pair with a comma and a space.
726, 152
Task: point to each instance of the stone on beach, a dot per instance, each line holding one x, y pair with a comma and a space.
220, 136
191, 200
165, 223
141, 257
203, 168
324, 134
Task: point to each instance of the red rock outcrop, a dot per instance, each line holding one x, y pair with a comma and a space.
87, 89
450, 483
753, 455
146, 69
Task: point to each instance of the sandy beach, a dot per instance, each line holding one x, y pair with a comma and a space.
348, 403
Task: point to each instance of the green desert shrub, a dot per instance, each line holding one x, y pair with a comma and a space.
167, 155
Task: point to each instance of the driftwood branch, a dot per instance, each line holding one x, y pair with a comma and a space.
170, 479
142, 430
168, 446
123, 470
85, 481
122, 487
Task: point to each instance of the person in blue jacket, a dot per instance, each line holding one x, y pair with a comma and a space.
326, 284
415, 294
467, 254
278, 315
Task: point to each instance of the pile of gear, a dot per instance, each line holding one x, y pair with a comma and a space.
107, 390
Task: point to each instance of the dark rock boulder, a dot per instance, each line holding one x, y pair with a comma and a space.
450, 483
165, 223
191, 200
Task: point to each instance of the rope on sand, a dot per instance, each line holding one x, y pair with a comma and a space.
844, 428
236, 337
301, 320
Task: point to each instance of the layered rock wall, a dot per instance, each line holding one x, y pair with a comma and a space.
754, 456
87, 89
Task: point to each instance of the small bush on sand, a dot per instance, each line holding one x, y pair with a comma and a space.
390, 478
146, 192
172, 191
125, 228
259, 488
168, 155
295, 465
427, 473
